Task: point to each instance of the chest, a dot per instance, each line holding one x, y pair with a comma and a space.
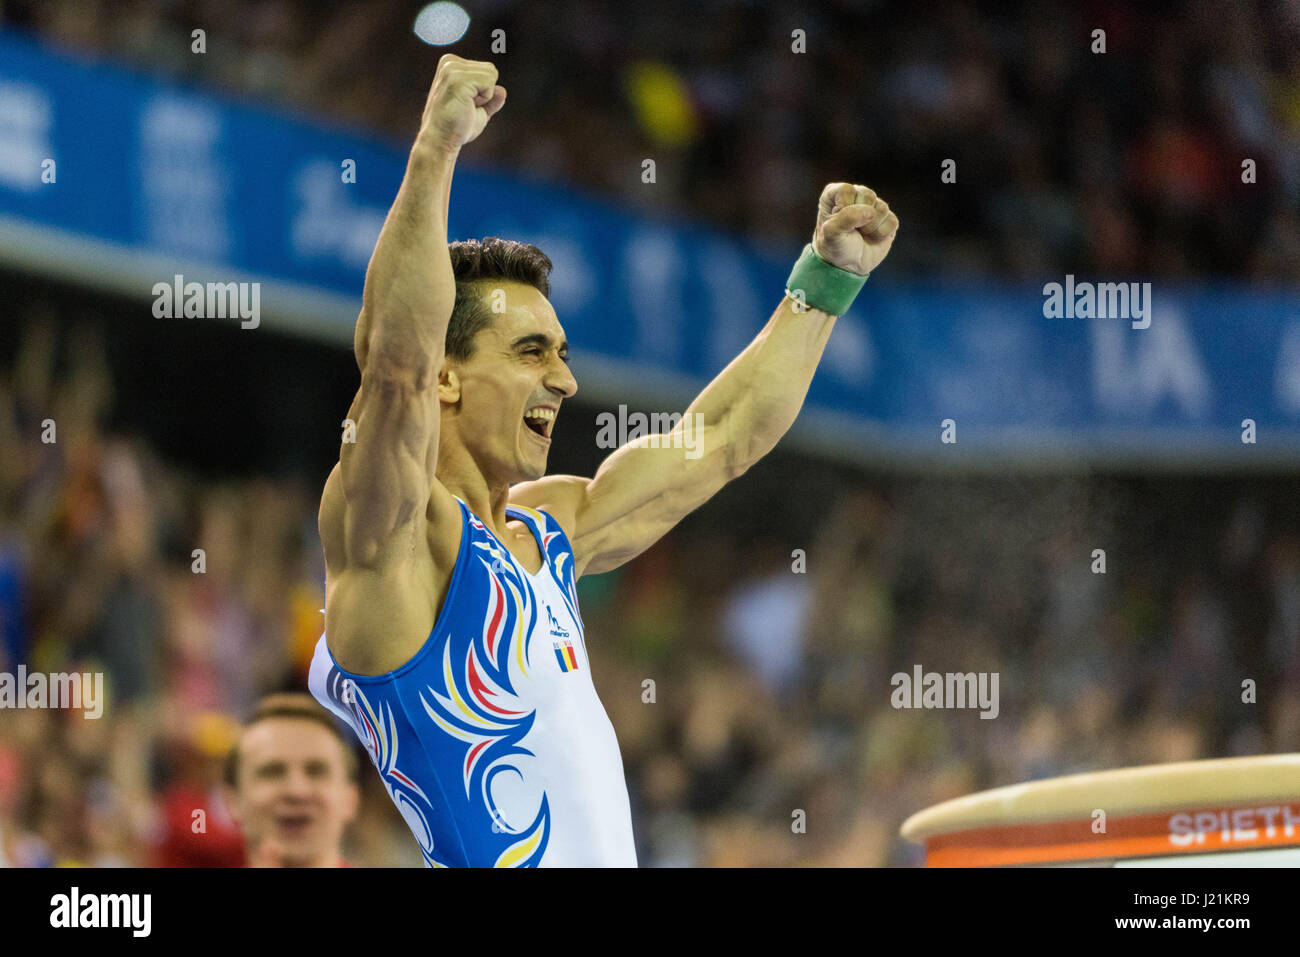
523, 546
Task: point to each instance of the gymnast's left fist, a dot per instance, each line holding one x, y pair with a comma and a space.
855, 228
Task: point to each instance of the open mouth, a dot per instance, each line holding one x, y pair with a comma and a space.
540, 421
293, 825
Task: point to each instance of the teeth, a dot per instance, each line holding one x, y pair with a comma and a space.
548, 414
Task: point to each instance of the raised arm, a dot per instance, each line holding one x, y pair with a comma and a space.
387, 474
649, 485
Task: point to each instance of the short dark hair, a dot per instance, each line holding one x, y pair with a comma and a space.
293, 704
478, 262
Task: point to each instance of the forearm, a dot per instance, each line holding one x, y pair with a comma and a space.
647, 486
410, 288
757, 397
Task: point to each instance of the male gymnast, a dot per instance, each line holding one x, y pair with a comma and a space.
455, 646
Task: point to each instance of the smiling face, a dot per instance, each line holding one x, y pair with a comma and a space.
501, 403
293, 790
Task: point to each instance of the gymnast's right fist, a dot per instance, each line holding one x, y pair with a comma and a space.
463, 97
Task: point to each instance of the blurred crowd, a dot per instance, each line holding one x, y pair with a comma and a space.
746, 668
1068, 156
194, 598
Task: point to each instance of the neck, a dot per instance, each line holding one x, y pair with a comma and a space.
331, 858
486, 498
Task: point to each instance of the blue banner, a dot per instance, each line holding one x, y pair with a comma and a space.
114, 177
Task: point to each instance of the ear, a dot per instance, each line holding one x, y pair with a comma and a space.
233, 808
448, 383
352, 803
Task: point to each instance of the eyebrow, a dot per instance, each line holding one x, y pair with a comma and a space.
538, 338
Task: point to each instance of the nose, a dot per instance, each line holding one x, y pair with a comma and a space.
298, 786
560, 380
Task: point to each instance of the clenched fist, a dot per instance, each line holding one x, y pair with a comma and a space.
855, 228
462, 99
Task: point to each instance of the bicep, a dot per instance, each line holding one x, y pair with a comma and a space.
643, 490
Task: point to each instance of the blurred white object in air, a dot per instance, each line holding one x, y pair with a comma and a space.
442, 23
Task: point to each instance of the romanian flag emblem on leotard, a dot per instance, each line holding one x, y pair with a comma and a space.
564, 652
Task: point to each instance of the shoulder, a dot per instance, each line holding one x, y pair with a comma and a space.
558, 496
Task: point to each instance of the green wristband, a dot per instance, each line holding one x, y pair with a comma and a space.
818, 284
